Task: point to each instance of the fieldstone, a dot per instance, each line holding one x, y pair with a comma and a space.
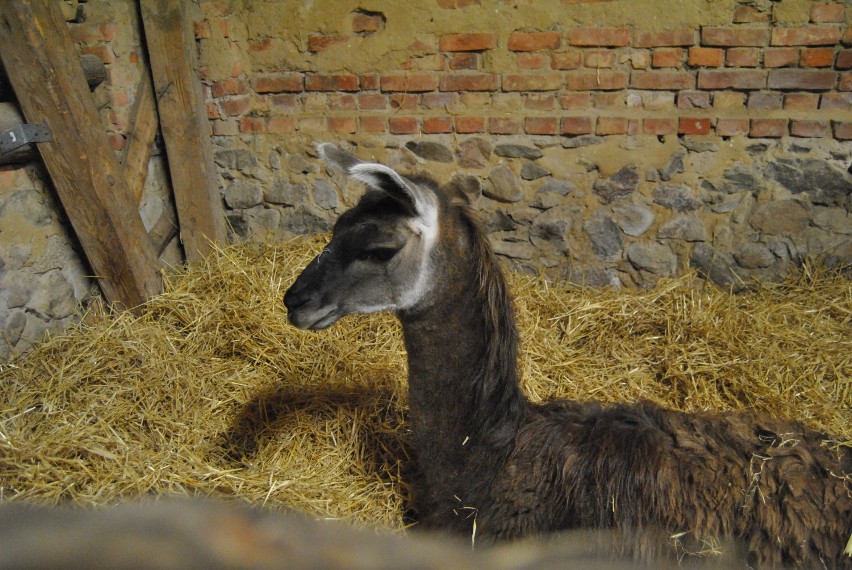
517, 151
714, 264
676, 197
503, 185
604, 235
274, 160
29, 204
687, 228
582, 140
532, 171
303, 220
428, 150
238, 223
757, 148
324, 195
740, 178
266, 223
550, 194
284, 193
235, 159
743, 210
754, 255
474, 153
14, 326
633, 219
781, 217
726, 205
514, 249
694, 145
498, 221
468, 185
619, 185
53, 297
823, 183
652, 257
551, 228
674, 166
836, 220
524, 214
241, 194
297, 164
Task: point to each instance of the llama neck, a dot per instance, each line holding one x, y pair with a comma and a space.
462, 357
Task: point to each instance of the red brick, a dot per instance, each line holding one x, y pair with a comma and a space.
467, 125
541, 126
533, 41
693, 100
344, 82
705, 57
261, 46
817, 57
666, 57
845, 83
575, 100
659, 126
403, 125
437, 125
252, 125
596, 80
409, 83
838, 101
767, 128
454, 4
671, 80
608, 99
201, 29
842, 130
103, 52
234, 106
844, 59
616, 126
442, 101
734, 79
804, 79
504, 126
731, 127
428, 62
827, 13
467, 42
369, 82
312, 123
318, 43
665, 38
640, 59
780, 57
805, 36
117, 141
764, 100
228, 87
742, 57
364, 23
540, 102
566, 59
464, 60
576, 126
290, 102
532, 82
535, 60
731, 37
694, 125
744, 14
372, 101
281, 125
404, 101
372, 124
473, 82
801, 101
847, 36
603, 37
811, 129
286, 83
599, 58
213, 111
344, 102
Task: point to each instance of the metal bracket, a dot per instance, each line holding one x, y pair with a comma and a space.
22, 135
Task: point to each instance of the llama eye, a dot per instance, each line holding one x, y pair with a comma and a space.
378, 254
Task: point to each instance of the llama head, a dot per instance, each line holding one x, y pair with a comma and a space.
379, 256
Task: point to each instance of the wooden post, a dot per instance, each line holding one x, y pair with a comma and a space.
183, 122
44, 72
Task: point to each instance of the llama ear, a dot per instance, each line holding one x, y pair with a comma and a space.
380, 177
333, 156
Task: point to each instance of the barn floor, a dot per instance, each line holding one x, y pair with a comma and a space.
211, 393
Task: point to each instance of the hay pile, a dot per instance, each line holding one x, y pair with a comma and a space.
211, 393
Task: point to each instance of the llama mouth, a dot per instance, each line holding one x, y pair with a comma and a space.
316, 320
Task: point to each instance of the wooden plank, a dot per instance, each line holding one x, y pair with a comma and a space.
140, 141
37, 52
183, 122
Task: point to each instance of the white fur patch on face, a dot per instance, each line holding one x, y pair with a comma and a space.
426, 226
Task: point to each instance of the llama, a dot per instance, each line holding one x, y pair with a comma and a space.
498, 466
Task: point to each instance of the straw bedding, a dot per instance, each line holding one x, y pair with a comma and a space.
209, 392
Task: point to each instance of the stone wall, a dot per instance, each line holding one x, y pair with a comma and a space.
609, 142
44, 278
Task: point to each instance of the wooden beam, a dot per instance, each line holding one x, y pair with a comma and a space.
183, 122
37, 52
140, 140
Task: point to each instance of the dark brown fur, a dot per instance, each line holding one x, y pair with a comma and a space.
495, 464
